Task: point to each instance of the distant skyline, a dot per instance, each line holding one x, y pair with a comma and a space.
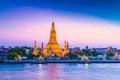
92, 23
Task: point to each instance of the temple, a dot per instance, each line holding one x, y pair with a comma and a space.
35, 51
66, 48
52, 47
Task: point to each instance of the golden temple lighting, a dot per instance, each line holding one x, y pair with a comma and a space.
53, 46
35, 51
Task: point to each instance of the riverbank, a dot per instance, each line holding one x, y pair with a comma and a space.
58, 61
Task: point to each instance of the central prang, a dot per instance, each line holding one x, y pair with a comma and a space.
52, 47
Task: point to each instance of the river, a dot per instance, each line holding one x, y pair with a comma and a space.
69, 71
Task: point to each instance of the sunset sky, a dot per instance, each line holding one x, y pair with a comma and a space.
80, 22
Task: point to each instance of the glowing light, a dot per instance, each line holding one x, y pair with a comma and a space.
86, 65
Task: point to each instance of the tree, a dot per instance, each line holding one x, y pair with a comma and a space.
26, 47
20, 51
31, 56
86, 52
81, 54
72, 55
12, 56
111, 54
94, 53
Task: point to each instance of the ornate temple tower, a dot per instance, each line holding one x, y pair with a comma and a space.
52, 47
35, 52
66, 48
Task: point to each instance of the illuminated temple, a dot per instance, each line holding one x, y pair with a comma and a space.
53, 47
35, 52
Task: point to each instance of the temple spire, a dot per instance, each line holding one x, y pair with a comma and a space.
53, 27
66, 48
52, 47
35, 52
53, 39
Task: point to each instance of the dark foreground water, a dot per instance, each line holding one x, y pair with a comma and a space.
60, 71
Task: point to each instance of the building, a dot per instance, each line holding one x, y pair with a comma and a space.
53, 46
27, 51
76, 50
66, 48
111, 49
105, 50
35, 51
101, 50
3, 53
86, 47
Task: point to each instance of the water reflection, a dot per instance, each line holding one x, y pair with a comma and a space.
52, 72
86, 65
40, 67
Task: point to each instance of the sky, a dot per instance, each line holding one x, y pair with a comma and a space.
93, 23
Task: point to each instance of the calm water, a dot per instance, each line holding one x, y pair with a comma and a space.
59, 72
